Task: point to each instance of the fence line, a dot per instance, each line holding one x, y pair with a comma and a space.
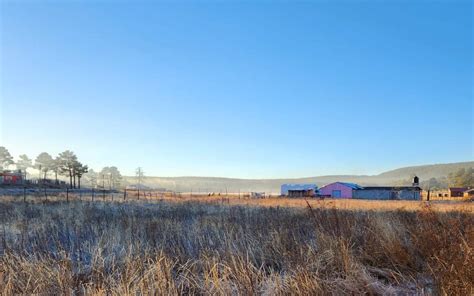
89, 195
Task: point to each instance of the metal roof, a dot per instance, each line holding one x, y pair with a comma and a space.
351, 185
299, 186
458, 189
410, 188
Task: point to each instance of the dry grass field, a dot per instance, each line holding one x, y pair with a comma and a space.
231, 246
342, 204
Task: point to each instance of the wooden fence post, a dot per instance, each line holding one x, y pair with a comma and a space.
67, 194
124, 193
45, 194
24, 194
93, 194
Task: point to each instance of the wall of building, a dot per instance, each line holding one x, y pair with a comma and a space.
286, 187
301, 193
346, 192
469, 193
384, 194
372, 194
10, 179
457, 192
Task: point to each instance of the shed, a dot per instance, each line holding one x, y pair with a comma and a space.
389, 193
299, 190
457, 191
257, 194
469, 193
339, 189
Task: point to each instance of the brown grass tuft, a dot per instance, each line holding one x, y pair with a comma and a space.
196, 247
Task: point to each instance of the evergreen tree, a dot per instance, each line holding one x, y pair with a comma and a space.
5, 158
44, 163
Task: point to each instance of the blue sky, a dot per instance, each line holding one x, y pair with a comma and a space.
239, 89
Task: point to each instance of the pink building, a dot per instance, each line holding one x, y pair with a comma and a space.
339, 189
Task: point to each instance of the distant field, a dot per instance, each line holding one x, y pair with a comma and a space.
345, 204
224, 246
436, 204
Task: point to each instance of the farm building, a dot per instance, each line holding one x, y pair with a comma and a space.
388, 193
139, 187
257, 194
469, 193
339, 189
457, 191
11, 178
299, 190
351, 190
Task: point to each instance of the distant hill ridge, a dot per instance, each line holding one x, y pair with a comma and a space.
400, 176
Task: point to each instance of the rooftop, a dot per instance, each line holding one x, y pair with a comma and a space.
351, 185
458, 189
392, 188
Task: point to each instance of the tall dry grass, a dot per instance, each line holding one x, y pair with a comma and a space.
168, 248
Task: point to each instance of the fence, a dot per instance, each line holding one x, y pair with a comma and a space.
53, 194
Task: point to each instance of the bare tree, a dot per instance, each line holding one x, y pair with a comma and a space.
140, 176
91, 178
112, 176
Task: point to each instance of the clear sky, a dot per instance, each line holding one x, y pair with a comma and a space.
239, 89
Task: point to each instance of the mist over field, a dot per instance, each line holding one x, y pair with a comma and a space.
144, 145
400, 176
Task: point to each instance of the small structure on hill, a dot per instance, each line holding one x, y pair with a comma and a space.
339, 190
299, 190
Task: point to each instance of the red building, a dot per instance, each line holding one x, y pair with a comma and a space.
11, 178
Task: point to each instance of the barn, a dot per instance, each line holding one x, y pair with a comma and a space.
457, 191
469, 193
339, 189
388, 193
299, 190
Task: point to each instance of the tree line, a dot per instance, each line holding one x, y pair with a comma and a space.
463, 177
65, 164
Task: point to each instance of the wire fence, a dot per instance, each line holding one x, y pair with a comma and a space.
36, 194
